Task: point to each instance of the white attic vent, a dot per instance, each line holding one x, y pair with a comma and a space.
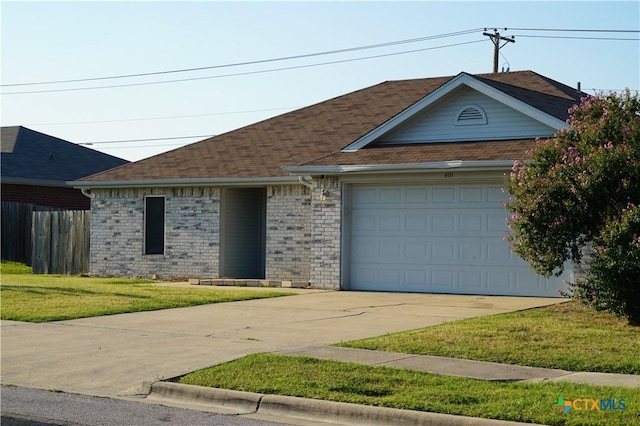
470, 115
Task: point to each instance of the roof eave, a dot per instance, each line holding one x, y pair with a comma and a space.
399, 168
18, 180
167, 183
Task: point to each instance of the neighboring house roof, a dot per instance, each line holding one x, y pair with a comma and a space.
318, 135
30, 157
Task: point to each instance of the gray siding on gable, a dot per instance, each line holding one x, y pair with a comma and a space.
438, 125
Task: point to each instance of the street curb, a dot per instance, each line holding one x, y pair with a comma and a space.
237, 402
227, 401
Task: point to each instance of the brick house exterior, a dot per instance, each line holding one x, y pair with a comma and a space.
395, 187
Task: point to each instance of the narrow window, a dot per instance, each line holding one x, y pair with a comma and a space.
154, 225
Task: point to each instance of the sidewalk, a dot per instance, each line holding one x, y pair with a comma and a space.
481, 370
309, 412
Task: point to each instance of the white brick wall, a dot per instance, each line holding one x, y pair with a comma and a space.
192, 225
288, 233
326, 229
191, 233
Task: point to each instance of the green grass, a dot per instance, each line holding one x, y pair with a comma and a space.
43, 298
415, 390
567, 336
9, 267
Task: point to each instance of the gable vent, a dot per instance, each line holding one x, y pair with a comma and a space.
470, 115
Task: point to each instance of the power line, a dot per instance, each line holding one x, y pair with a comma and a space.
578, 38
159, 118
245, 73
144, 140
140, 146
593, 30
260, 61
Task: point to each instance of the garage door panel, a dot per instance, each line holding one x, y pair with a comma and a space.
390, 195
364, 222
416, 278
471, 252
363, 196
497, 222
415, 223
443, 251
390, 277
470, 279
391, 251
391, 222
417, 195
436, 238
363, 249
444, 194
442, 279
443, 222
417, 250
499, 280
474, 194
471, 222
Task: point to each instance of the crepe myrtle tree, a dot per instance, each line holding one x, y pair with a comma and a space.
576, 197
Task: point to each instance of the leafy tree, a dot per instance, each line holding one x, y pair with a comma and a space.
577, 193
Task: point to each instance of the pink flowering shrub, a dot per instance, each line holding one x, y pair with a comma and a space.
571, 187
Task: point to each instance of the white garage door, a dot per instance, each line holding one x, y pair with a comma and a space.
437, 239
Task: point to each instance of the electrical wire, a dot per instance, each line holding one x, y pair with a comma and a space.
246, 73
140, 146
160, 118
146, 139
571, 30
260, 61
576, 38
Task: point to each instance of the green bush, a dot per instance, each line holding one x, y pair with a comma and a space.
613, 281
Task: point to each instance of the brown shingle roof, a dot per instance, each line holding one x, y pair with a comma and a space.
427, 153
316, 134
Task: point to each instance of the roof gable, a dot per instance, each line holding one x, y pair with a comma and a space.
444, 93
466, 115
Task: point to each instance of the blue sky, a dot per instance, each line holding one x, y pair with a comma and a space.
50, 41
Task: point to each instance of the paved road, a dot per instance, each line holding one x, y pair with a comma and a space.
35, 407
112, 355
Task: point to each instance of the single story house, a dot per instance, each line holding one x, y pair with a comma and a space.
36, 168
395, 187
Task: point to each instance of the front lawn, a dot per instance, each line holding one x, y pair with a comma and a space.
415, 390
43, 298
567, 336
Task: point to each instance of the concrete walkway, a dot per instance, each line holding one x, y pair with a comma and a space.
125, 355
109, 355
491, 371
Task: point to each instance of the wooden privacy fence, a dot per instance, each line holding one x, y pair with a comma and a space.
16, 231
60, 242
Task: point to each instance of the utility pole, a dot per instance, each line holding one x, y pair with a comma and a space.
495, 38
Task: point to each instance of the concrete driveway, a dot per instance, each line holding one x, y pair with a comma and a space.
112, 355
